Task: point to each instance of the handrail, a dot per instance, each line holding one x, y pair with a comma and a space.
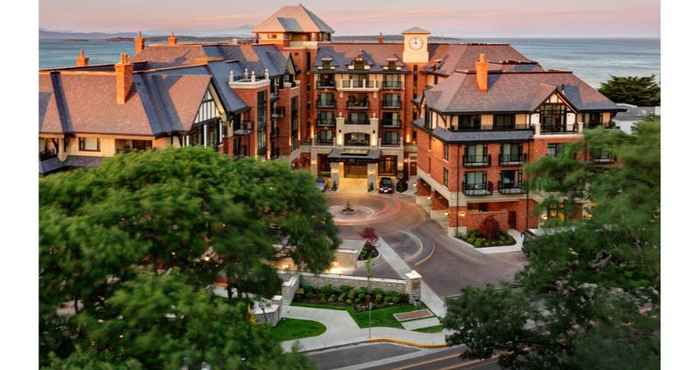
512, 158
483, 160
480, 189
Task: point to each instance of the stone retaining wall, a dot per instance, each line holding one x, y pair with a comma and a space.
337, 281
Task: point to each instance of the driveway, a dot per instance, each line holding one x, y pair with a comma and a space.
446, 265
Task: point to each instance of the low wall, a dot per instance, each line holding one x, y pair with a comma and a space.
474, 219
337, 281
289, 289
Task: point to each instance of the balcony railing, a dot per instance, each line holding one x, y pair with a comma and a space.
325, 122
550, 129
326, 104
278, 112
391, 142
512, 158
359, 84
391, 104
602, 157
475, 190
511, 188
324, 141
391, 84
242, 128
358, 121
358, 105
483, 160
326, 84
391, 123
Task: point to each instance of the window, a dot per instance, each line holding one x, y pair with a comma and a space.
325, 137
476, 155
124, 146
295, 122
357, 139
388, 165
445, 151
511, 178
391, 138
392, 119
554, 150
326, 100
359, 64
594, 119
308, 59
504, 121
469, 122
262, 118
326, 64
553, 117
391, 101
475, 181
445, 176
358, 118
511, 152
392, 81
89, 144
326, 118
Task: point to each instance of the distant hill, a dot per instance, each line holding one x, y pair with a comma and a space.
240, 32
57, 35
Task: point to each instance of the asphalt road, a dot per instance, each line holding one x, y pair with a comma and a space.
394, 357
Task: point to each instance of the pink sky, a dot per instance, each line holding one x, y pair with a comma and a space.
506, 18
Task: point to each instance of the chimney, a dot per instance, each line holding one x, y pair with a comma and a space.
125, 75
482, 73
380, 39
81, 60
139, 43
172, 40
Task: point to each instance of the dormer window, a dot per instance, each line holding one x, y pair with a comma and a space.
392, 64
359, 64
469, 122
326, 64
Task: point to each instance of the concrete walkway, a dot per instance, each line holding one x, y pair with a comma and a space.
342, 330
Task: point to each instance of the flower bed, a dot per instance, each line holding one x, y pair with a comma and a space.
475, 238
346, 296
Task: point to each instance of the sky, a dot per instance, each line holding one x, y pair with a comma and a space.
458, 18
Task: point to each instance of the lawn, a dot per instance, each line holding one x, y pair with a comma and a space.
288, 329
380, 317
431, 329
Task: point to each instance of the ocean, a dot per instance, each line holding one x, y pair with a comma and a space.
593, 60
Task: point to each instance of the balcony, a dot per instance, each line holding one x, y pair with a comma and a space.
483, 160
602, 157
358, 105
512, 159
326, 104
391, 84
391, 104
324, 141
477, 190
391, 123
357, 120
326, 84
559, 128
325, 122
359, 85
391, 142
511, 188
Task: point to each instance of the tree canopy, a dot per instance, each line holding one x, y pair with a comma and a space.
589, 296
188, 210
642, 91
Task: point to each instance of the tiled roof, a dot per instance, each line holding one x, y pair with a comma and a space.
375, 54
416, 30
72, 161
443, 58
447, 58
476, 136
294, 18
254, 57
159, 103
513, 92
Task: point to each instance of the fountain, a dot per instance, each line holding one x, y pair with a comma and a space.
347, 210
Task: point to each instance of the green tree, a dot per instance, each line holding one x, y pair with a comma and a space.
190, 209
642, 91
160, 321
589, 296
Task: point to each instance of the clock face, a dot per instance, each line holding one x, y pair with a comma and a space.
415, 43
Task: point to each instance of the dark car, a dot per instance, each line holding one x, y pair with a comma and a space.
386, 185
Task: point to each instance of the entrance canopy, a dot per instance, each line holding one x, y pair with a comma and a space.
353, 155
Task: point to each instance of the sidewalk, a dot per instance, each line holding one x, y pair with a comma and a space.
342, 330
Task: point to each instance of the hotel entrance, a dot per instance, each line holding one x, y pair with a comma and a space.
354, 170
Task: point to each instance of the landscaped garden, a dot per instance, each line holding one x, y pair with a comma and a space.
356, 302
489, 234
288, 329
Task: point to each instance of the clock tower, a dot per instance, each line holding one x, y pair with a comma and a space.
415, 46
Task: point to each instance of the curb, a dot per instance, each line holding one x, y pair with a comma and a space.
406, 343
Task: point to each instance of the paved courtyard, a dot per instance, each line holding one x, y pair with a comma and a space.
446, 265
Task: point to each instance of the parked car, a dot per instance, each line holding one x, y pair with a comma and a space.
386, 185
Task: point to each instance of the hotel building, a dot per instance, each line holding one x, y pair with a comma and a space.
461, 118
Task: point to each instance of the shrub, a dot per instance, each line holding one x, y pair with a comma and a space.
348, 301
345, 288
332, 298
489, 228
327, 289
378, 298
395, 299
